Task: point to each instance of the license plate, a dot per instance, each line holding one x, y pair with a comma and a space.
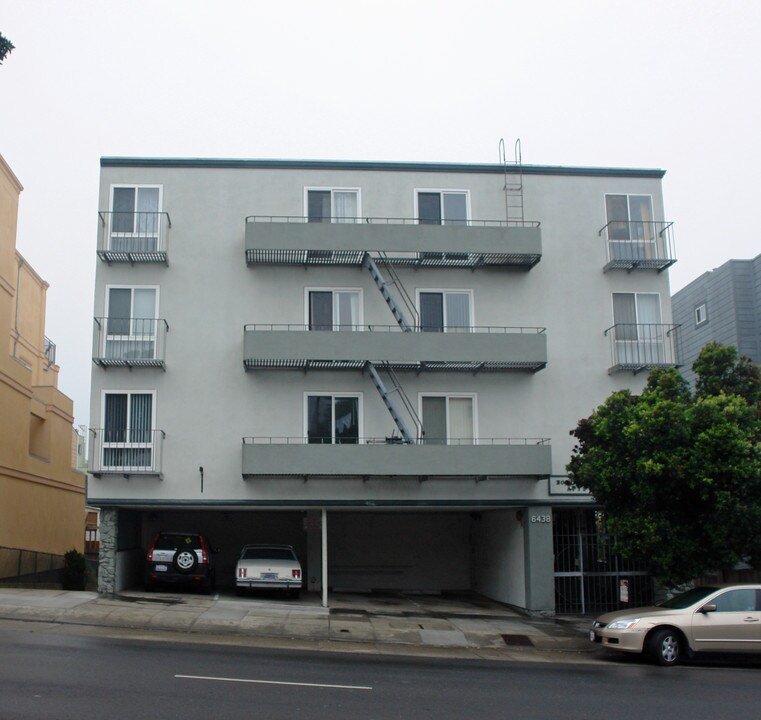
269, 576
161, 568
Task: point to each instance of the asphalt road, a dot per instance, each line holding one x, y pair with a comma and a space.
62, 677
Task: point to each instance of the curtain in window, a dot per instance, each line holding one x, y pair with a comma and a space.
458, 312
435, 420
147, 211
625, 316
119, 308
347, 310
319, 419
455, 209
115, 419
642, 229
461, 420
650, 330
141, 417
345, 206
144, 311
346, 423
431, 312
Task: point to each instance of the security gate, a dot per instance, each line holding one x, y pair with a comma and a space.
589, 576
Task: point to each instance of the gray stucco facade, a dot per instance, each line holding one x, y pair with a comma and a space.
722, 305
210, 364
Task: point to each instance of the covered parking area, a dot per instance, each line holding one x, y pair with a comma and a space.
503, 553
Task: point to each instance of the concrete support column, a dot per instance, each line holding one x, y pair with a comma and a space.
325, 557
539, 564
109, 525
313, 527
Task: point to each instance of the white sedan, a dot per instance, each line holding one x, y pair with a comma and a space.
269, 566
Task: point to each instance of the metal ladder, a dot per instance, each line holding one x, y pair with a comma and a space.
513, 187
383, 286
386, 394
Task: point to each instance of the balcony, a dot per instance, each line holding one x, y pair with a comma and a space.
638, 245
126, 452
133, 237
475, 459
285, 240
49, 351
638, 347
130, 342
480, 349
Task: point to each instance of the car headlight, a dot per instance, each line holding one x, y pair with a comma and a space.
623, 624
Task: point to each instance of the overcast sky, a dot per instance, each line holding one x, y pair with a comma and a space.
670, 84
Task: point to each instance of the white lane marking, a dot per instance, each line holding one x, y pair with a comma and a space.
274, 682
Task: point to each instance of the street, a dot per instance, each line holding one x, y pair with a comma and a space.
49, 675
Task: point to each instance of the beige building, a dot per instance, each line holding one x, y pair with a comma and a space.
41, 494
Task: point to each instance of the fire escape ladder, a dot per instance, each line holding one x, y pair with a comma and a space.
513, 186
384, 285
387, 395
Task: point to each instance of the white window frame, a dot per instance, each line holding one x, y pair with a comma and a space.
440, 191
333, 394
359, 325
650, 246
127, 444
660, 340
447, 395
134, 233
332, 190
131, 337
701, 310
444, 291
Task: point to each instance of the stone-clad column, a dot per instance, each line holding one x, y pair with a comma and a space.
109, 523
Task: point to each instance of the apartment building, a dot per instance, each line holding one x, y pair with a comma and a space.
376, 362
42, 511
722, 305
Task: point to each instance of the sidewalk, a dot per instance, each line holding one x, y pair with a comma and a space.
427, 625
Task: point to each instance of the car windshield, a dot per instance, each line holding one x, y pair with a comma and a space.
685, 599
267, 553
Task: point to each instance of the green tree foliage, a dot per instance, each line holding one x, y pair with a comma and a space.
679, 474
5, 47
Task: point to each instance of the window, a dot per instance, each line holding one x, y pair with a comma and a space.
638, 334
447, 419
338, 205
131, 323
442, 207
334, 309
332, 419
135, 218
743, 600
701, 314
128, 421
445, 310
631, 231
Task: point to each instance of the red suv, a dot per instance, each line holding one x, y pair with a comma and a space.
180, 558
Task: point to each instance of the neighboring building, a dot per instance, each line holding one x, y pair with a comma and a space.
378, 363
722, 305
41, 495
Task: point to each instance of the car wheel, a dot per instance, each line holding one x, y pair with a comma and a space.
185, 561
665, 647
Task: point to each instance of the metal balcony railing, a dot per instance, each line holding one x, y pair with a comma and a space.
126, 451
391, 440
637, 347
466, 349
402, 242
133, 237
638, 244
49, 351
130, 342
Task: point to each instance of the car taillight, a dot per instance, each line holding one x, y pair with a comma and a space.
204, 556
153, 546
242, 572
296, 573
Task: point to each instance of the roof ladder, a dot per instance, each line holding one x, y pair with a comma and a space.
387, 395
383, 286
513, 186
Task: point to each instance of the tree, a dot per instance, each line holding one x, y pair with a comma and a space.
679, 474
5, 47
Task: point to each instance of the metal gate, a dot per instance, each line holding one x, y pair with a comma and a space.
589, 576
